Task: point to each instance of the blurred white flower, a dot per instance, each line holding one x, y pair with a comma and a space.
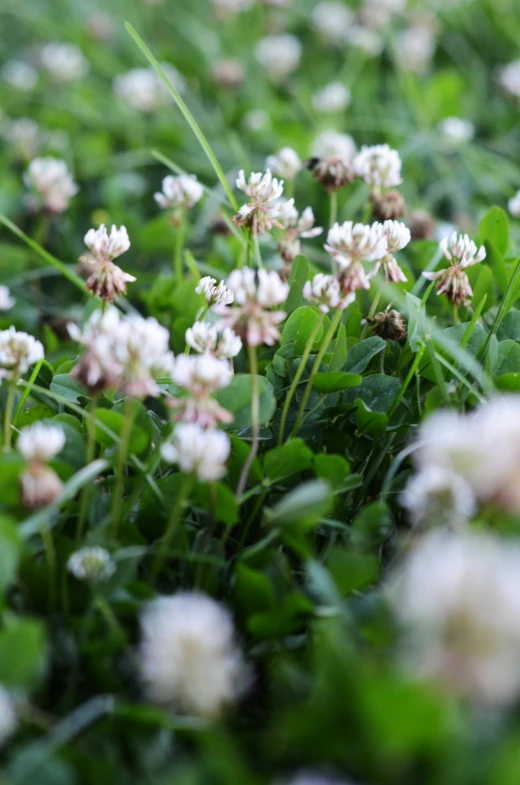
437, 496
312, 778
41, 442
8, 721
105, 247
414, 48
223, 7
514, 205
265, 208
286, 163
279, 55
457, 598
254, 293
325, 291
51, 184
354, 242
198, 450
20, 75
296, 227
379, 166
366, 39
92, 564
215, 339
257, 120
378, 13
215, 294
190, 659
332, 19
101, 25
509, 78
453, 281
331, 161
228, 72
200, 376
332, 144
24, 135
64, 62
143, 88
179, 191
334, 97
456, 130
39, 485
6, 301
18, 351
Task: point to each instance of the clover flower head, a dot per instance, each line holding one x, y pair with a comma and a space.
51, 184
286, 163
279, 55
197, 450
215, 339
331, 144
41, 442
513, 205
92, 564
64, 62
332, 19
6, 301
215, 294
265, 208
414, 48
436, 496
20, 75
180, 191
297, 226
352, 242
144, 90
456, 130
333, 98
105, 247
324, 290
189, 657
379, 166
509, 78
18, 351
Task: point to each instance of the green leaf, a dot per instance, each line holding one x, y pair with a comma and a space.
496, 262
11, 466
507, 359
10, 548
332, 468
417, 324
336, 381
297, 279
290, 458
510, 327
305, 505
236, 398
22, 652
509, 382
226, 505
299, 326
377, 392
351, 570
339, 355
372, 526
63, 384
139, 439
361, 354
494, 227
369, 422
253, 589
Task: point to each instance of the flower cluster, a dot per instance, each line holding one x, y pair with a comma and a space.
453, 281
215, 340
215, 294
106, 279
254, 294
331, 160
144, 90
286, 163
279, 55
39, 444
297, 227
379, 166
189, 657
122, 352
200, 376
92, 564
183, 191
18, 351
265, 208
64, 62
50, 183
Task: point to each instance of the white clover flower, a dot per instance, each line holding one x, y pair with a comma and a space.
438, 496
332, 19
331, 144
228, 72
264, 209
296, 227
379, 166
457, 598
456, 130
279, 55
221, 342
105, 247
6, 301
254, 293
18, 351
509, 78
198, 451
334, 97
397, 236
414, 49
182, 191
20, 75
8, 721
39, 485
312, 778
353, 242
101, 25
64, 62
378, 13
144, 90
51, 184
92, 564
453, 281
215, 294
366, 39
324, 290
513, 205
257, 120
286, 163
24, 135
200, 374
41, 442
232, 6
189, 657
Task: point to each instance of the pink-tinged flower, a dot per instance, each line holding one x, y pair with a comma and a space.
215, 294
106, 279
397, 236
297, 227
355, 277
200, 376
355, 242
255, 293
51, 184
264, 209
216, 340
453, 281
181, 191
18, 351
326, 292
196, 450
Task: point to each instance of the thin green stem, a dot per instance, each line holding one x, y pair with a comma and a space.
333, 212
130, 410
255, 412
258, 255
297, 376
27, 391
180, 236
91, 454
186, 485
409, 376
50, 556
8, 416
315, 368
371, 314
456, 319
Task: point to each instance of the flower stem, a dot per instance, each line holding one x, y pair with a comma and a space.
333, 212
258, 255
180, 235
8, 416
319, 357
130, 410
456, 319
297, 376
91, 454
50, 557
255, 413
183, 493
371, 314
